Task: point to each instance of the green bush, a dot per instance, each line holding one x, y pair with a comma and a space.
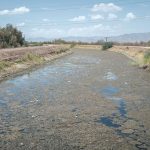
11, 37
147, 58
4, 64
107, 45
72, 45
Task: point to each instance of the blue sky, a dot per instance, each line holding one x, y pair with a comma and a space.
62, 18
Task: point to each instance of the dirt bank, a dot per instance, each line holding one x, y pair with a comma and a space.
17, 60
136, 53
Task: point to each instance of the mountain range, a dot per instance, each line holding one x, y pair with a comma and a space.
133, 37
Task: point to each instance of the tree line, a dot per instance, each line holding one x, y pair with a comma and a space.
11, 37
99, 42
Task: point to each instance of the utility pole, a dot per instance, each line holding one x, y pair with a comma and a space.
106, 39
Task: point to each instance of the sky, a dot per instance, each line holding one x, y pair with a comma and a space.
84, 18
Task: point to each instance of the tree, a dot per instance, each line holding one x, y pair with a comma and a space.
11, 37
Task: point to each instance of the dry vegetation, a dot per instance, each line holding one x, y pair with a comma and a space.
18, 59
99, 47
17, 53
140, 55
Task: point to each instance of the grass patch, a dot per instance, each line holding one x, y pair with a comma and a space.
30, 57
62, 50
147, 58
4, 64
72, 45
133, 63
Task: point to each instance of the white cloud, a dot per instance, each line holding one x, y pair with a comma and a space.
96, 17
46, 32
91, 30
79, 18
106, 7
130, 16
112, 16
20, 24
45, 20
96, 30
15, 11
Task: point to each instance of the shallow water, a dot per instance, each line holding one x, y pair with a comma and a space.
66, 97
25, 87
109, 91
117, 119
122, 108
110, 76
108, 122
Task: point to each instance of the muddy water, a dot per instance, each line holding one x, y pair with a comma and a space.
88, 100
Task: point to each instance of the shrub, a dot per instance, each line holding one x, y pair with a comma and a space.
147, 58
11, 37
32, 57
72, 45
4, 64
107, 45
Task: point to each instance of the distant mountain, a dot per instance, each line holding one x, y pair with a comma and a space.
83, 39
133, 37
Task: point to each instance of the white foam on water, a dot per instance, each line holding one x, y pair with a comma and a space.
110, 76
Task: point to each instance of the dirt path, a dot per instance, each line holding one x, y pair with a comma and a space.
89, 100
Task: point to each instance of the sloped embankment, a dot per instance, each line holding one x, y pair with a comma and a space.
16, 60
140, 55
